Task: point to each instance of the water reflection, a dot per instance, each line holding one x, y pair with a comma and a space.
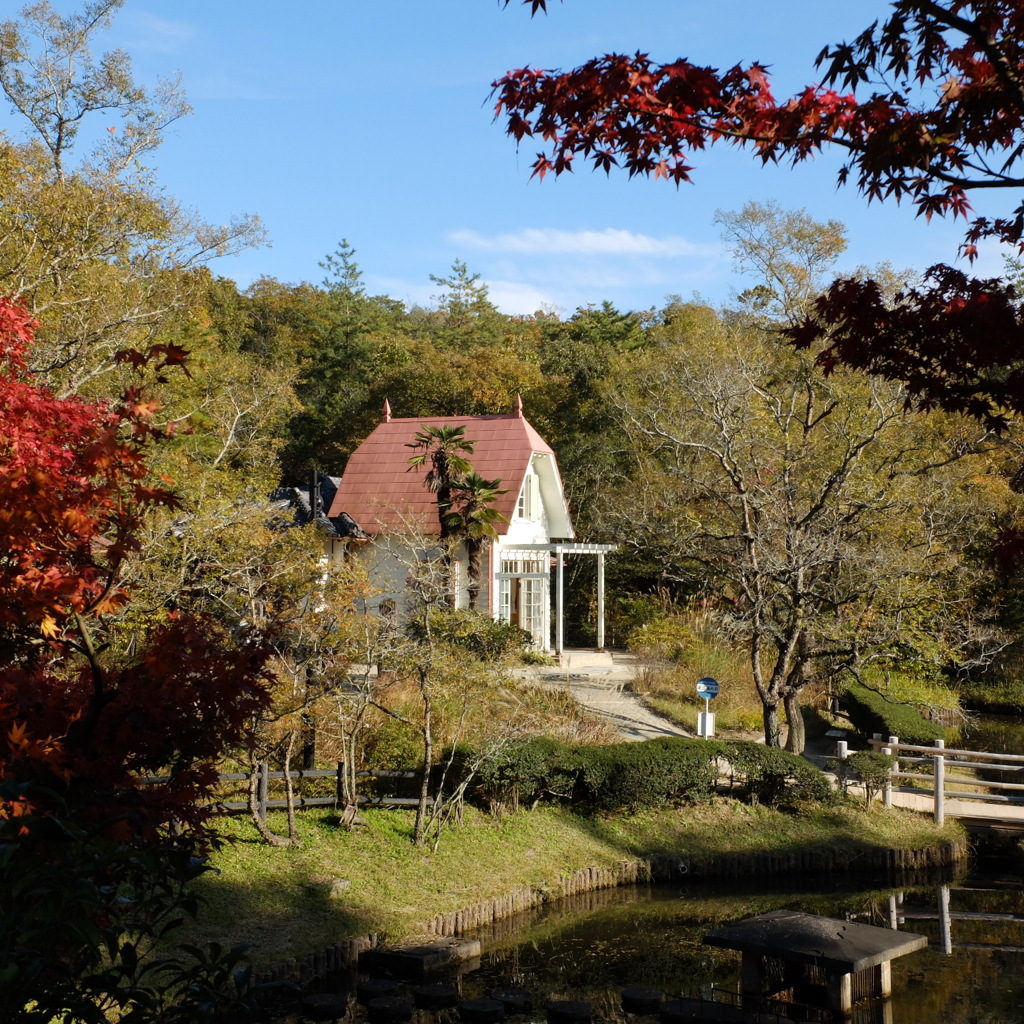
590, 948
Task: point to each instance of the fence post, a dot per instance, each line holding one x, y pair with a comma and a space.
339, 792
939, 761
842, 770
262, 794
887, 785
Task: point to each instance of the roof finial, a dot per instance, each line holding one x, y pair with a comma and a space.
387, 411
519, 406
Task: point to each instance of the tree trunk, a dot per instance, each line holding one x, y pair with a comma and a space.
772, 729
473, 570
254, 813
428, 757
797, 737
289, 791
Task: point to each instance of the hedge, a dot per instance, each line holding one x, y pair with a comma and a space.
871, 713
627, 776
772, 776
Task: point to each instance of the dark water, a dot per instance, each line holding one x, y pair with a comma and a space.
591, 947
1002, 734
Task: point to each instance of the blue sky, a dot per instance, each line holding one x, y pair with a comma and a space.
370, 120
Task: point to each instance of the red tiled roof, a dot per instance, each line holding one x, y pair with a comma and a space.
379, 490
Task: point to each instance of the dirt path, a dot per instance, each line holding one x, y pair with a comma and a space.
601, 689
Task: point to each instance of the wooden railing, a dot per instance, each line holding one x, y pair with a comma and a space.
940, 760
264, 778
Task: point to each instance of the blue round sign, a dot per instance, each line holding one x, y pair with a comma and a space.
707, 687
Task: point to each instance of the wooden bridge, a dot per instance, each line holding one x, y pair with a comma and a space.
960, 783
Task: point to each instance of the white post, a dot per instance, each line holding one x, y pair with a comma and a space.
600, 601
887, 787
559, 596
842, 753
945, 924
940, 784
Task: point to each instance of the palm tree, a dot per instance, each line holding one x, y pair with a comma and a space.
440, 449
471, 517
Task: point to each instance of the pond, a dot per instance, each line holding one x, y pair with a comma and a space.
591, 947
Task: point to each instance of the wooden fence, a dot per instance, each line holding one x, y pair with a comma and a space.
334, 798
932, 776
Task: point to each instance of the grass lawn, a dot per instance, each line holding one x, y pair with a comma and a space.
338, 884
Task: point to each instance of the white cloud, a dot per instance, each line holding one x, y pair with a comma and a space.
517, 298
609, 242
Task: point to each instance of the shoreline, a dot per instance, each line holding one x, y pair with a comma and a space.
944, 854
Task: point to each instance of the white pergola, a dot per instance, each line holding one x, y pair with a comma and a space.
559, 549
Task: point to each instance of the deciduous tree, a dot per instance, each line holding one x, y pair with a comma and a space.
101, 256
95, 861
932, 114
824, 528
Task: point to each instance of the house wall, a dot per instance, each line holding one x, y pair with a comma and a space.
529, 525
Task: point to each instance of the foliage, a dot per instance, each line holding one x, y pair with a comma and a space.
872, 768
82, 728
527, 772
618, 776
471, 517
940, 114
871, 713
477, 633
797, 507
101, 256
772, 776
101, 905
646, 774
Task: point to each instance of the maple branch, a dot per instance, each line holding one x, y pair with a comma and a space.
985, 42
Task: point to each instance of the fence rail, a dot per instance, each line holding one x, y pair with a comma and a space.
265, 777
937, 761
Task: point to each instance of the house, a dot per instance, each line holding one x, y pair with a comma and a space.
392, 506
300, 506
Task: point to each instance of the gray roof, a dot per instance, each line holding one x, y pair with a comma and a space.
296, 500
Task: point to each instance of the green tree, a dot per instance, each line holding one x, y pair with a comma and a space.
825, 528
472, 518
443, 451
103, 258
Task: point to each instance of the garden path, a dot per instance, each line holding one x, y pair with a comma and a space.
601, 685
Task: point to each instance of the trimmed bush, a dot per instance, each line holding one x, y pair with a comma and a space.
870, 712
632, 775
526, 772
771, 776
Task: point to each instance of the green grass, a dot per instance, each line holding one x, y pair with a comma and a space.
277, 900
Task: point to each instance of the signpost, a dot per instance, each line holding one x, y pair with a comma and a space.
708, 689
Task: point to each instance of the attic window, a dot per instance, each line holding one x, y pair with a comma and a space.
529, 504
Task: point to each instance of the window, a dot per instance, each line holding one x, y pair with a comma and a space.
529, 498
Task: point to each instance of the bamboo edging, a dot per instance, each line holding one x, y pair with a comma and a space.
731, 865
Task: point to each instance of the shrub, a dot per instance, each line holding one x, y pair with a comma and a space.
772, 776
526, 772
632, 775
668, 638
627, 776
870, 712
873, 769
483, 637
601, 777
